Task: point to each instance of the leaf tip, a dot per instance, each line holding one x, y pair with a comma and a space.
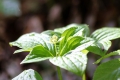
15, 52
10, 44
22, 62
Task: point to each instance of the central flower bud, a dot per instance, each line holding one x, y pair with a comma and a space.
54, 39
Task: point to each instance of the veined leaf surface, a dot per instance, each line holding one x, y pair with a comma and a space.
108, 71
106, 34
102, 39
71, 43
73, 62
39, 53
28, 75
75, 31
30, 40
79, 28
84, 44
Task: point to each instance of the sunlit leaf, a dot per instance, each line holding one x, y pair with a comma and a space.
100, 48
102, 39
74, 30
51, 33
65, 35
39, 53
71, 43
27, 41
73, 62
30, 40
84, 44
28, 75
106, 34
81, 29
22, 50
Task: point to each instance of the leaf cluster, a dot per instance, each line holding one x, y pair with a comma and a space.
68, 47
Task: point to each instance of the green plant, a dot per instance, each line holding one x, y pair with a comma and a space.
68, 47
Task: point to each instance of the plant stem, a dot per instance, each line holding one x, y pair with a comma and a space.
59, 73
84, 77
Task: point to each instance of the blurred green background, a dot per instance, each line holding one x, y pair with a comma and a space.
18, 17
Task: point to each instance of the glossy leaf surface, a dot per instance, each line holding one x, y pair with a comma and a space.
102, 39
77, 32
39, 53
84, 44
30, 40
81, 30
28, 75
73, 62
70, 44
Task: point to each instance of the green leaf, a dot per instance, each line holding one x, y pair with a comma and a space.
51, 33
22, 50
27, 41
71, 30
79, 28
100, 48
76, 43
108, 71
102, 39
71, 43
108, 55
106, 34
28, 75
84, 44
65, 35
82, 30
73, 62
39, 53
30, 40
